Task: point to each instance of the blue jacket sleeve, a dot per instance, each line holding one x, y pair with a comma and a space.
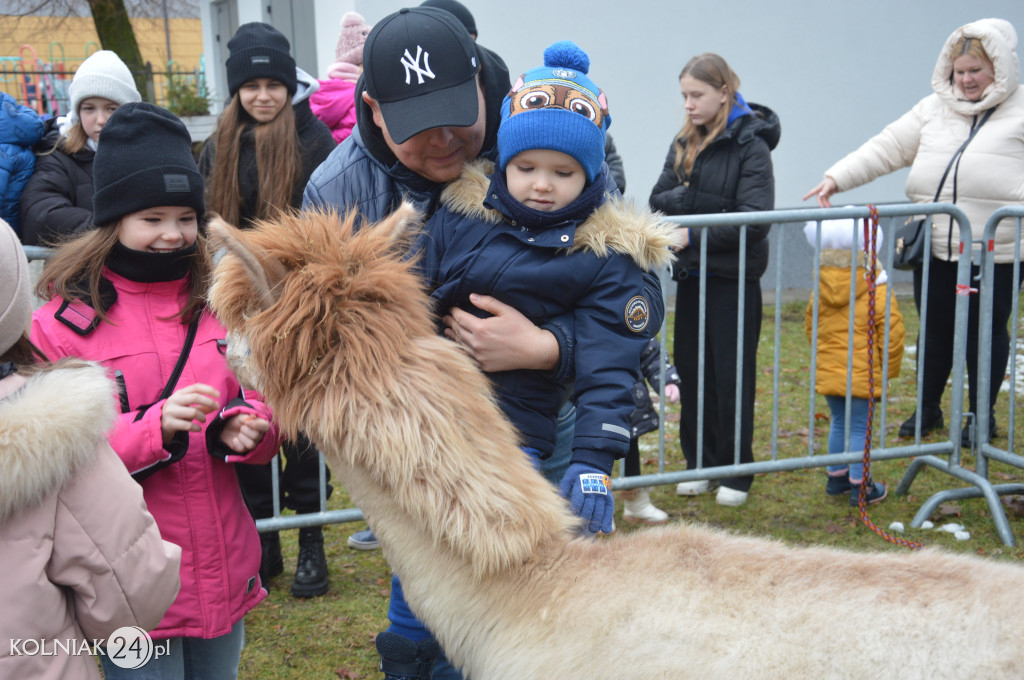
613, 325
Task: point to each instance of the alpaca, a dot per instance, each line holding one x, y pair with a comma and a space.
333, 326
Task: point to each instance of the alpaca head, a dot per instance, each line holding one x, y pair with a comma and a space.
306, 294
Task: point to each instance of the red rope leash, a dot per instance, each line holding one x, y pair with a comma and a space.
871, 250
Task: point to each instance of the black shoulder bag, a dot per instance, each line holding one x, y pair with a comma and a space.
179, 443
908, 252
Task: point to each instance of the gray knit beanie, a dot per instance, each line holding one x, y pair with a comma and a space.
15, 289
103, 74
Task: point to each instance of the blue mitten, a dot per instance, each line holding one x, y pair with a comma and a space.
589, 491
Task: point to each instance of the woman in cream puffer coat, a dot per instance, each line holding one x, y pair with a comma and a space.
977, 71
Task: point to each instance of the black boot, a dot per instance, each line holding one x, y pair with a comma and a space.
271, 562
931, 419
403, 659
311, 570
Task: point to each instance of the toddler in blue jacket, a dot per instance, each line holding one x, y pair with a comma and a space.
540, 232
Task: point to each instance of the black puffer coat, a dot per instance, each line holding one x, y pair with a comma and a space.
57, 200
644, 418
733, 174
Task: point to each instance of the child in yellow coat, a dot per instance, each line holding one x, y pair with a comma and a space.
838, 238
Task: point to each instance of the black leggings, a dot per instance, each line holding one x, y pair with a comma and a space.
938, 338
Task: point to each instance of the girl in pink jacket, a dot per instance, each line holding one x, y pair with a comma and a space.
129, 294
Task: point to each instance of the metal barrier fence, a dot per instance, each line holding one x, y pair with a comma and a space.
944, 454
981, 486
43, 85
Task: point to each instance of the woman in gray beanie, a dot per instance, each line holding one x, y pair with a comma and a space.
57, 201
71, 570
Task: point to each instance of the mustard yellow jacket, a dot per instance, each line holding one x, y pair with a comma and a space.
833, 329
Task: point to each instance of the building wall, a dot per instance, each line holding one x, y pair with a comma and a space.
27, 42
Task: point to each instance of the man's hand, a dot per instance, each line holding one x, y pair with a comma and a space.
503, 342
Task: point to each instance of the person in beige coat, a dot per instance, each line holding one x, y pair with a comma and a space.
975, 87
81, 554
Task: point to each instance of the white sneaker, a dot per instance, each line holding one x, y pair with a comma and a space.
640, 509
732, 497
693, 488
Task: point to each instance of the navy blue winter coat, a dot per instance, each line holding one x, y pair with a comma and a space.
21, 128
591, 272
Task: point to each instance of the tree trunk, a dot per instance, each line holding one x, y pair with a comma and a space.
116, 34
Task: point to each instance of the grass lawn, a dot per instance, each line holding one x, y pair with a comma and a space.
332, 636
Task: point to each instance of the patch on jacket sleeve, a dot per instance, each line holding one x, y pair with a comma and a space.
638, 313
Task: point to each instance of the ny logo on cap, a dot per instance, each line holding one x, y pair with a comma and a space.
411, 64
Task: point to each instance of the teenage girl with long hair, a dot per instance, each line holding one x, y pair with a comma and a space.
266, 145
719, 162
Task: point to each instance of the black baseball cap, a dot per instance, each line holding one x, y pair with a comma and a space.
420, 65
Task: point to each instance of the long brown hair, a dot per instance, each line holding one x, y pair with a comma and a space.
76, 269
70, 143
278, 162
692, 139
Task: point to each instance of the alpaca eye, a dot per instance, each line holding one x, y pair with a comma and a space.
534, 100
582, 107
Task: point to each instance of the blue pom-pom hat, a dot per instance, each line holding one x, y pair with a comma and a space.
557, 107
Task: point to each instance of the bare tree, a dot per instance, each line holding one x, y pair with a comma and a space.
116, 34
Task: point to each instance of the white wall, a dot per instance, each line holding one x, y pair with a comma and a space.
835, 73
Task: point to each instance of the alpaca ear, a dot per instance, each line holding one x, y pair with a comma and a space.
401, 224
264, 273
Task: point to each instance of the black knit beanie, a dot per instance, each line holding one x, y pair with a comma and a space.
144, 160
259, 50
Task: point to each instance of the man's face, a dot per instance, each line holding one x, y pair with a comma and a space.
437, 154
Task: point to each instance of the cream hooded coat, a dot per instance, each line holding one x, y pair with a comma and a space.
990, 173
81, 556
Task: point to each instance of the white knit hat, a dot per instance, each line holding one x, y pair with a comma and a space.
103, 74
15, 289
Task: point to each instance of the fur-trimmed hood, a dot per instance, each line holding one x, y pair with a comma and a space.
999, 39
617, 225
50, 425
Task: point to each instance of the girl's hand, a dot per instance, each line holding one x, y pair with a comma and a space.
243, 431
186, 409
672, 393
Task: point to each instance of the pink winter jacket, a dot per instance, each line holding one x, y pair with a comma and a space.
196, 501
81, 556
334, 103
